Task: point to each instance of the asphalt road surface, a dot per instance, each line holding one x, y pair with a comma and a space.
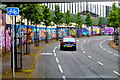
94, 58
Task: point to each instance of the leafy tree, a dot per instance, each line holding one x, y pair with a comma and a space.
89, 21
100, 23
37, 19
57, 19
118, 15
46, 19
112, 17
68, 19
79, 20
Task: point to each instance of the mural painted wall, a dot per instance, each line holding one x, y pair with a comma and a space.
2, 38
96, 30
62, 31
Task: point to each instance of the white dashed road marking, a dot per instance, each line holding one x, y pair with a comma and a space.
57, 60
109, 51
89, 57
64, 78
116, 73
54, 54
84, 52
116, 55
100, 63
60, 68
46, 53
54, 49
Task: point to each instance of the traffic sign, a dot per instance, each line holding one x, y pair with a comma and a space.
13, 11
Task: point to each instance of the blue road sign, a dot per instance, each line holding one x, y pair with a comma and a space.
13, 11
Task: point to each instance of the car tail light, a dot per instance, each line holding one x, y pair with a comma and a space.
63, 43
74, 43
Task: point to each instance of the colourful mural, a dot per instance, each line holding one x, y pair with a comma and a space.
62, 31
42, 33
96, 30
72, 32
2, 37
109, 30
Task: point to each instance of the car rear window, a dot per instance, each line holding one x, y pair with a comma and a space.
68, 40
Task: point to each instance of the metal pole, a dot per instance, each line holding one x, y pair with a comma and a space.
13, 70
15, 44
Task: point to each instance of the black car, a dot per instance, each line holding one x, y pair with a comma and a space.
68, 43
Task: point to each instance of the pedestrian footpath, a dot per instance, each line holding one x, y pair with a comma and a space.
28, 62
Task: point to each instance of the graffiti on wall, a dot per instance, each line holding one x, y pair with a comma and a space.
42, 33
96, 30
2, 40
73, 32
107, 30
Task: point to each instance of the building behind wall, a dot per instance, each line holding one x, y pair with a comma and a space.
74, 7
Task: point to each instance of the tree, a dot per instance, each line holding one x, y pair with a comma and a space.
112, 17
37, 19
79, 21
100, 23
89, 21
57, 19
68, 19
118, 15
47, 20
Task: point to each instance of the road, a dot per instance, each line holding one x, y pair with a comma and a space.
94, 58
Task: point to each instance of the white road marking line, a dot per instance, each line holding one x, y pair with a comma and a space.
100, 63
54, 49
116, 73
64, 78
82, 49
77, 40
109, 51
116, 55
57, 60
60, 68
84, 52
54, 54
89, 57
46, 53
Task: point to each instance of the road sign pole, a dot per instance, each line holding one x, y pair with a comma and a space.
13, 69
14, 12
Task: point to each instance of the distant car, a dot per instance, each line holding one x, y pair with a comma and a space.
68, 43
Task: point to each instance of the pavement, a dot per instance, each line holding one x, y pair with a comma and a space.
36, 65
27, 64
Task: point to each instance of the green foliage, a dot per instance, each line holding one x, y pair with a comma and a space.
37, 16
68, 17
79, 19
88, 19
100, 22
57, 19
113, 16
46, 16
